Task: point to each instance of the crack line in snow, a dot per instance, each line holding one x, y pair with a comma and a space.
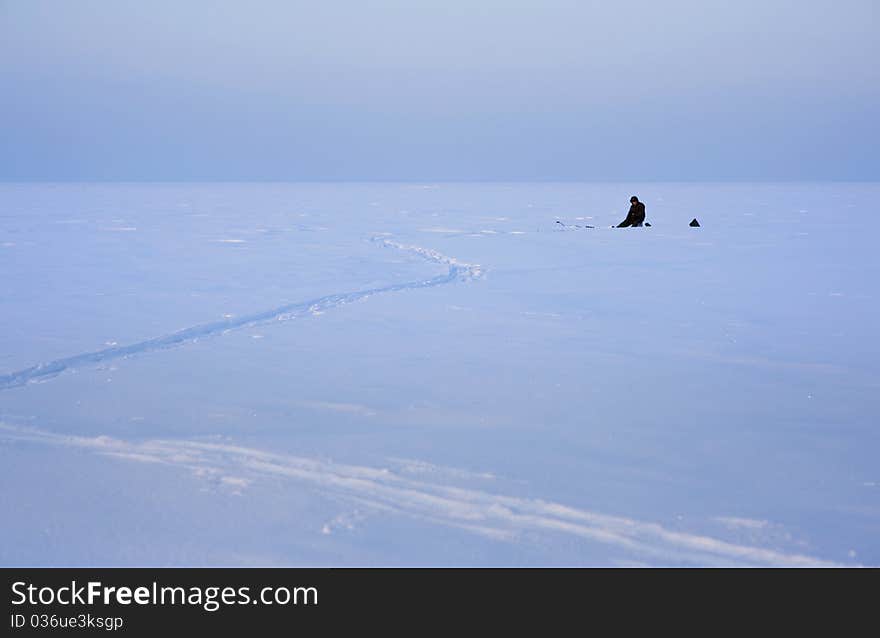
458, 271
497, 516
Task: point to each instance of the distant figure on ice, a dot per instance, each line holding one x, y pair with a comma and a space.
636, 215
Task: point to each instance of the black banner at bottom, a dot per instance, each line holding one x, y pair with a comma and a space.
151, 601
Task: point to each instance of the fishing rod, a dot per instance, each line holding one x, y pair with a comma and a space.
573, 226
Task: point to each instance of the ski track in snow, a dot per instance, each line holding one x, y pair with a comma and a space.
496, 516
458, 271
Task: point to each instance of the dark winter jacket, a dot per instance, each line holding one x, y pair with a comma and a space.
635, 217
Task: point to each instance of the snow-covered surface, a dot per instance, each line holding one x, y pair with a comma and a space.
438, 374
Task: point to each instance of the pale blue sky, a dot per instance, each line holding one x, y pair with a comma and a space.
430, 90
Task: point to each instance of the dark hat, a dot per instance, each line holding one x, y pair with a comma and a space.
633, 199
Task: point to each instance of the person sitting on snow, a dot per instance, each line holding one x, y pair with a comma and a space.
636, 215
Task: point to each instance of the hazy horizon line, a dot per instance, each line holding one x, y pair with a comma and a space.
441, 181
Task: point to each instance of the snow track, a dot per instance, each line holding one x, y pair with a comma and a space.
497, 516
457, 271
